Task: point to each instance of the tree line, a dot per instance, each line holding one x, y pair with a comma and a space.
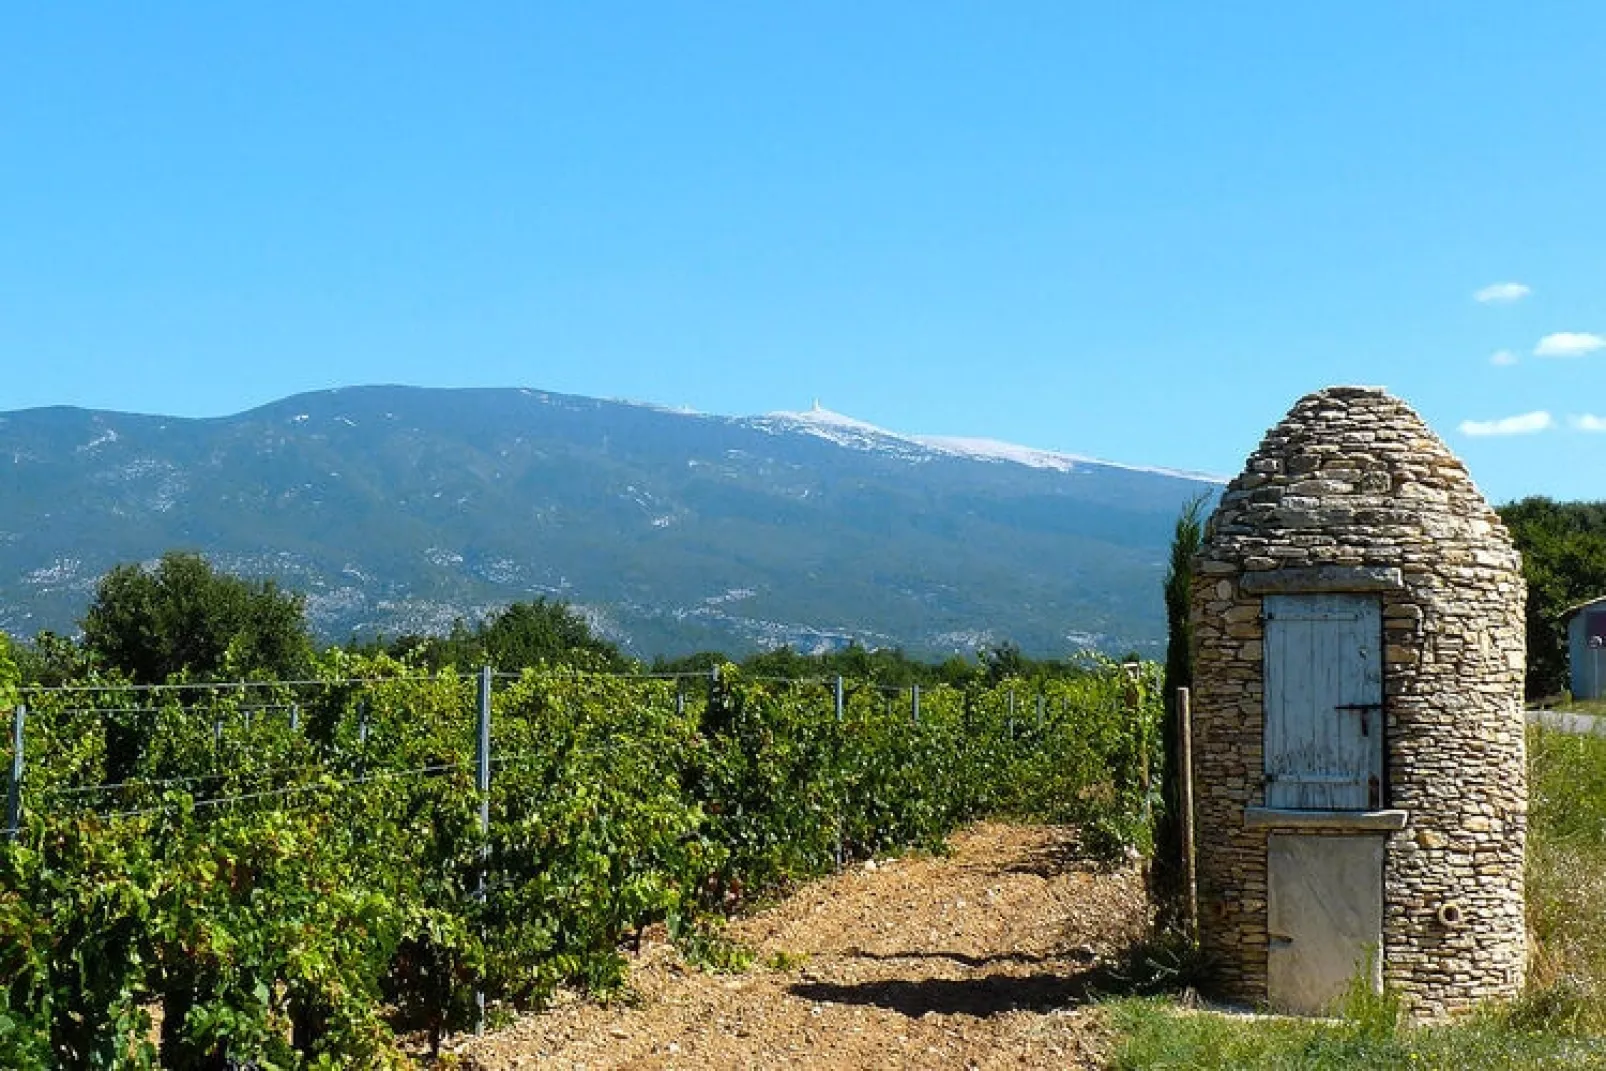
1563, 548
183, 618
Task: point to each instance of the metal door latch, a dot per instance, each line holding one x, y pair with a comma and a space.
1365, 710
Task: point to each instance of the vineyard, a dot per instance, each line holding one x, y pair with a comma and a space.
301, 873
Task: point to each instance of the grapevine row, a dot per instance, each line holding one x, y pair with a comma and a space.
295, 874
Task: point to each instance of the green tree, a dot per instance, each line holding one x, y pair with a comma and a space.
184, 617
1563, 548
51, 660
781, 662
533, 633
1003, 660
1167, 875
700, 662
889, 667
523, 634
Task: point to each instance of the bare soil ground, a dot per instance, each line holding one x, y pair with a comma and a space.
984, 958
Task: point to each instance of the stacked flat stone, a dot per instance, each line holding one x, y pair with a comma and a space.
1353, 478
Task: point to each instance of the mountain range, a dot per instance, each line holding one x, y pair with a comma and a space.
401, 510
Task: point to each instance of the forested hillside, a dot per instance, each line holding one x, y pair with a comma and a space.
399, 510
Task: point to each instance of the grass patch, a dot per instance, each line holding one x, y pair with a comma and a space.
1156, 1034
703, 943
1560, 1022
782, 960
1567, 879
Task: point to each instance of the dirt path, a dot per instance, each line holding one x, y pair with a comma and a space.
982, 959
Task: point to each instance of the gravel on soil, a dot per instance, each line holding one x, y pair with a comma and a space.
983, 958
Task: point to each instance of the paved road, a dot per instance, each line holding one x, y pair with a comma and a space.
1577, 724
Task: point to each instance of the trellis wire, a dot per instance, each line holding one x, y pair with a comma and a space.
484, 761
314, 786
257, 709
216, 686
166, 782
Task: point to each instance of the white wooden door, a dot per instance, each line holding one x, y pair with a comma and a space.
1324, 702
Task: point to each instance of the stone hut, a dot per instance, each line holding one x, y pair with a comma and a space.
1360, 778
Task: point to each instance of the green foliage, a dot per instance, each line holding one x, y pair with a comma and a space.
1167, 876
1186, 542
524, 634
1563, 548
704, 944
1567, 789
10, 676
183, 618
888, 667
1567, 881
293, 873
52, 660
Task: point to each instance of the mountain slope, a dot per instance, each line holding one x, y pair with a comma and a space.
399, 509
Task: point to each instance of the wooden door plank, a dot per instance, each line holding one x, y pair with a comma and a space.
1323, 667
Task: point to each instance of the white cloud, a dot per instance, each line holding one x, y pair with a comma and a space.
1589, 422
1525, 424
1502, 293
1502, 358
1569, 344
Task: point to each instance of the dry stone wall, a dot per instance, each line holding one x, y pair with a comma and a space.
1352, 491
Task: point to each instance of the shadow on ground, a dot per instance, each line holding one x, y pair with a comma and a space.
1059, 859
983, 997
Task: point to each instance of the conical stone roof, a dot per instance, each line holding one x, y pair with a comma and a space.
1353, 476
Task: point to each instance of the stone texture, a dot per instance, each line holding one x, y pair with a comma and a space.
1352, 480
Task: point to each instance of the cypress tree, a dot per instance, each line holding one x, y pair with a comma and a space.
1166, 875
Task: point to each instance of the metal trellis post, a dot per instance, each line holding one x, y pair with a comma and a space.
19, 715
837, 704
713, 693
482, 782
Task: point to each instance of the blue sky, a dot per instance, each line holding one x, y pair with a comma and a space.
1136, 231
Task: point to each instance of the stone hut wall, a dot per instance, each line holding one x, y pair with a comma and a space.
1353, 483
